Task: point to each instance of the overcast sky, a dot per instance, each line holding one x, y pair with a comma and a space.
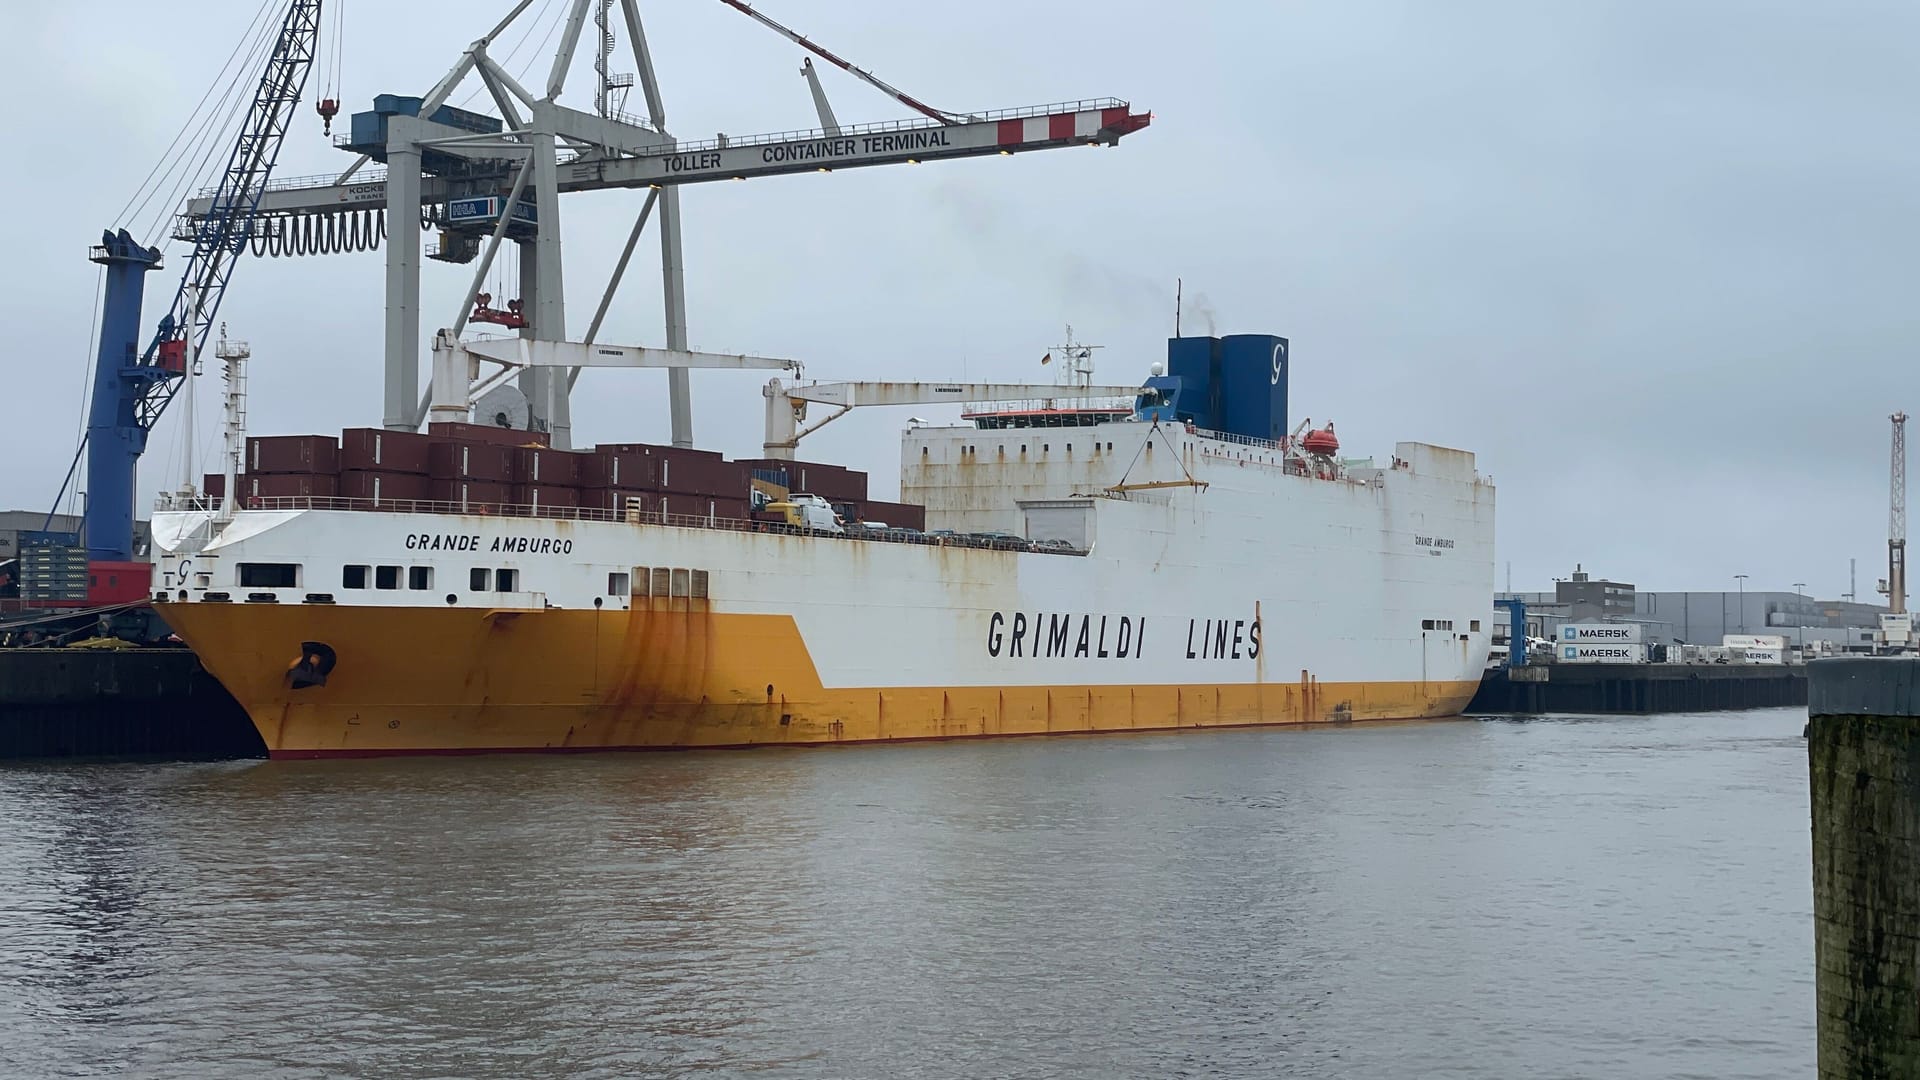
1655, 263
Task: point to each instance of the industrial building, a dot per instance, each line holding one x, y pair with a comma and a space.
15, 522
1701, 617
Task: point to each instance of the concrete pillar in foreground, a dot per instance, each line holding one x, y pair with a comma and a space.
1863, 752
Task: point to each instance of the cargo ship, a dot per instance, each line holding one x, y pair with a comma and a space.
1180, 560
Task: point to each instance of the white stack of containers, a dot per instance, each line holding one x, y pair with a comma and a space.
1756, 648
1602, 643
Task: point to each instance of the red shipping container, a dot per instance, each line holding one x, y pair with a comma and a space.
471, 461
697, 476
319, 454
546, 496
290, 485
470, 494
118, 582
830, 482
616, 469
691, 504
497, 436
896, 515
547, 467
657, 449
378, 450
383, 486
615, 499
214, 485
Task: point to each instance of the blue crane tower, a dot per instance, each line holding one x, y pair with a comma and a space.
131, 387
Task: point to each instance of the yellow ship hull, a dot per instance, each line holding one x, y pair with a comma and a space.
671, 675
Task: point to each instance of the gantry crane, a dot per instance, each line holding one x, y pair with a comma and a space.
464, 175
131, 388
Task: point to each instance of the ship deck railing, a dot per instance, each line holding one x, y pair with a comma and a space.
632, 515
1244, 440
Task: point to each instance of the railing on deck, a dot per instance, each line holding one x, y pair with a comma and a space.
632, 515
1244, 440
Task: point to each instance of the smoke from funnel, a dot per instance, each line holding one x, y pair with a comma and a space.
1203, 309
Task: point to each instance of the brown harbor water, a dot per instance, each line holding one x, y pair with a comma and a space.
1580, 897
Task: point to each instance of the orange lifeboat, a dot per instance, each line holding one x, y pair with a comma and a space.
1322, 442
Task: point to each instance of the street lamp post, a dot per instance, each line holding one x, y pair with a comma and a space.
1742, 579
1800, 615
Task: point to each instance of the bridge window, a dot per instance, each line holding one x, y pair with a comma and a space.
419, 577
386, 577
354, 577
506, 580
268, 575
479, 579
1474, 626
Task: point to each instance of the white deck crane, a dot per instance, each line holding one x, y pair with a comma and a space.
464, 173
787, 405
458, 381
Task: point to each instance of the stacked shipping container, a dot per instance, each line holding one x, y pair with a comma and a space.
485, 468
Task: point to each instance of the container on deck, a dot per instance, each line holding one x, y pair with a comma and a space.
315, 454
616, 499
485, 433
290, 486
546, 496
475, 495
382, 487
547, 467
896, 515
835, 483
379, 450
467, 460
610, 468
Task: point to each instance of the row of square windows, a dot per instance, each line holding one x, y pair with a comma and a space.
479, 579
659, 581
1046, 448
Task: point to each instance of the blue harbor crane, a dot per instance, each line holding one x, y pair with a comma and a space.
131, 387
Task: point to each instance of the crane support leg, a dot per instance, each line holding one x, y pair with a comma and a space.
546, 389
403, 278
674, 271
114, 439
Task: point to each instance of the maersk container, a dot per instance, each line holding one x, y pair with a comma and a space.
1600, 653
1605, 633
1759, 656
1775, 642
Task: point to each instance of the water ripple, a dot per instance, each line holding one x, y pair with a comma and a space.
1623, 897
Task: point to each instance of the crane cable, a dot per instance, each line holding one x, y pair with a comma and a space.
167, 154
216, 132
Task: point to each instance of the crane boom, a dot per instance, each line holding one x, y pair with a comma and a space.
1097, 121
132, 388
787, 405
